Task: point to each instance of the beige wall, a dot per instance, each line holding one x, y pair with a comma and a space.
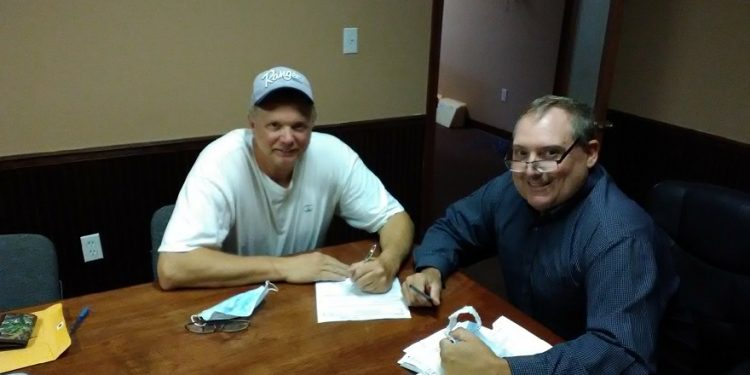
687, 63
85, 73
488, 45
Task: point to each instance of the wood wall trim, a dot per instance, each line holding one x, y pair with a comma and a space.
565, 52
100, 153
373, 124
428, 146
502, 133
639, 152
157, 147
609, 57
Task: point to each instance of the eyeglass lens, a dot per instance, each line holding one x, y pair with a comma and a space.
233, 325
541, 166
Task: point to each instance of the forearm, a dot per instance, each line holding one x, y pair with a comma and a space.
204, 267
587, 354
396, 238
438, 250
462, 228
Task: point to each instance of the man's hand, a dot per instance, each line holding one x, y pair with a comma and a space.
311, 267
429, 281
469, 355
374, 276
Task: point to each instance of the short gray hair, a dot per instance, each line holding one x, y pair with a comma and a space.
584, 127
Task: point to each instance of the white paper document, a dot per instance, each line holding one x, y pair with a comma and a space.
343, 300
507, 339
514, 340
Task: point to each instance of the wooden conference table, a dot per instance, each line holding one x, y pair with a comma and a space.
140, 330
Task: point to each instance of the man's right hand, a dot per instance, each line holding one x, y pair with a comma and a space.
311, 267
429, 281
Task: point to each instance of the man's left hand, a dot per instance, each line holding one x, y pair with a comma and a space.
469, 355
372, 276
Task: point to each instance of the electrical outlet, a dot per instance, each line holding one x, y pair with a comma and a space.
92, 247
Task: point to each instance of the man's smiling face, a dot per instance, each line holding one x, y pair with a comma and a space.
546, 137
281, 135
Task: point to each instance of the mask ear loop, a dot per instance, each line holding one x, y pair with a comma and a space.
271, 286
453, 320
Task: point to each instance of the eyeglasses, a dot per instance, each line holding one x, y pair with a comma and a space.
230, 325
541, 166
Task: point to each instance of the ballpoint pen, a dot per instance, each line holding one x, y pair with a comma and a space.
371, 253
81, 316
421, 294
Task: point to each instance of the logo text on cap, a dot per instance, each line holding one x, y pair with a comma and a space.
273, 75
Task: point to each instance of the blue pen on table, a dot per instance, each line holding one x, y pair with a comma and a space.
81, 316
422, 294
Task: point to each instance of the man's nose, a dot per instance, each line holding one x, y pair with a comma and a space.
286, 134
531, 167
531, 170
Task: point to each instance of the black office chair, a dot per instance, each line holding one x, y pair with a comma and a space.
28, 271
707, 328
159, 222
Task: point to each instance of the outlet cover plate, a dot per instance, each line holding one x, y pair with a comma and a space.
92, 247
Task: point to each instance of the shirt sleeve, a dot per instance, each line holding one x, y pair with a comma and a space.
202, 217
364, 202
465, 226
624, 305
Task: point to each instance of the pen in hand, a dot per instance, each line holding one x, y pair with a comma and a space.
422, 294
81, 316
371, 253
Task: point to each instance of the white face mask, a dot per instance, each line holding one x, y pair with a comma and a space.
474, 327
240, 305
470, 326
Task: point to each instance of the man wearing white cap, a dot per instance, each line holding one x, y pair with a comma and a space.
258, 199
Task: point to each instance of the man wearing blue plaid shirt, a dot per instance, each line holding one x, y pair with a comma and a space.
576, 253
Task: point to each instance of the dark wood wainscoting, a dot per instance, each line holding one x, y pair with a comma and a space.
114, 191
639, 152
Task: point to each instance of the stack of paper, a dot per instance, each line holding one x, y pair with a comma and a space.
506, 339
343, 300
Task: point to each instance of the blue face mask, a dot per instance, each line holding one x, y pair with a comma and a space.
240, 305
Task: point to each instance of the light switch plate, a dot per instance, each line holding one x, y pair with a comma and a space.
351, 40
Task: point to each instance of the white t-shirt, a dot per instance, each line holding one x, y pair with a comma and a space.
228, 203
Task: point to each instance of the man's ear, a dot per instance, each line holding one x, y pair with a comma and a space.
250, 122
592, 151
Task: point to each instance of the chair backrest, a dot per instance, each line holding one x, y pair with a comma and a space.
708, 325
28, 271
159, 222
